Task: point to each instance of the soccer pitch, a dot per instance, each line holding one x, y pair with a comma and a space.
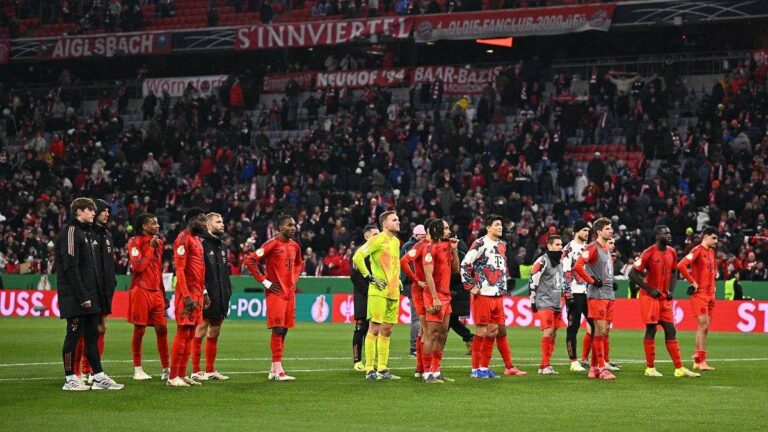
329, 395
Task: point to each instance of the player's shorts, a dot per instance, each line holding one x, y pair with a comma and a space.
600, 309
361, 305
382, 310
194, 318
445, 311
417, 299
281, 311
549, 318
652, 310
488, 310
702, 306
146, 308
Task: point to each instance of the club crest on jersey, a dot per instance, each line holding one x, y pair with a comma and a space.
428, 258
412, 253
585, 254
689, 256
180, 250
638, 262
259, 252
134, 252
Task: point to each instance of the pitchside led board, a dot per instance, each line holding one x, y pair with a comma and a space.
730, 316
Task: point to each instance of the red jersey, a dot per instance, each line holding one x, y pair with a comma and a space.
414, 255
283, 264
190, 267
146, 263
702, 263
440, 256
658, 266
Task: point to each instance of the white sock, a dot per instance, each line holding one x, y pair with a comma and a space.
166, 370
71, 377
99, 376
483, 368
138, 369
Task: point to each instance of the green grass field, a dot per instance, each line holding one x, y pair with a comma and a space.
328, 395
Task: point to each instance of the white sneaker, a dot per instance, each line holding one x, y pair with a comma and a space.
199, 376
652, 372
140, 375
190, 381
612, 367
75, 385
166, 374
577, 367
216, 376
176, 382
106, 383
281, 376
549, 370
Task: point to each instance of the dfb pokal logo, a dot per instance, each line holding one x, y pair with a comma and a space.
678, 312
347, 309
320, 309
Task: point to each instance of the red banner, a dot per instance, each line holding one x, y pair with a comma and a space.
457, 80
362, 78
5, 51
30, 303
520, 22
760, 56
315, 33
276, 83
729, 316
110, 45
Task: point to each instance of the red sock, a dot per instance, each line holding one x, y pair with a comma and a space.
673, 348
502, 343
177, 351
419, 354
650, 352
437, 358
485, 360
599, 348
545, 354
162, 345
477, 348
211, 347
138, 335
607, 348
703, 356
79, 348
586, 345
187, 350
427, 360
197, 352
276, 344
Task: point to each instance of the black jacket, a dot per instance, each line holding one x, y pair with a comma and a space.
216, 276
77, 276
459, 296
105, 263
358, 281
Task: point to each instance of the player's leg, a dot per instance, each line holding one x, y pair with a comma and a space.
574, 310
673, 348
481, 330
700, 357
79, 347
375, 315
161, 333
462, 331
649, 347
586, 344
391, 313
357, 343
420, 345
73, 336
502, 342
611, 366
212, 348
102, 326
547, 325
197, 349
437, 354
91, 334
177, 351
136, 341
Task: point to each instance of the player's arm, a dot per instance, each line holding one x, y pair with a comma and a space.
588, 256
298, 266
71, 267
468, 269
180, 262
253, 264
455, 256
139, 257
533, 282
405, 264
684, 268
372, 245
636, 276
429, 268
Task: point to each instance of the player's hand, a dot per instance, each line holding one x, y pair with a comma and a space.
597, 283
206, 302
669, 295
653, 292
474, 291
691, 289
189, 305
422, 284
437, 306
454, 242
154, 242
86, 304
275, 288
615, 286
380, 283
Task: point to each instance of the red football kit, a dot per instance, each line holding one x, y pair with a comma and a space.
415, 255
283, 264
702, 263
440, 256
658, 266
190, 276
146, 304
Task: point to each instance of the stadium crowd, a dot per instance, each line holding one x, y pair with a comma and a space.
365, 152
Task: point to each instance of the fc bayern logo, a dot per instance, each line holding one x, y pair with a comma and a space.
424, 31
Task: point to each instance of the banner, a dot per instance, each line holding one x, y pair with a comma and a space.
457, 80
729, 316
315, 33
105, 45
760, 56
519, 22
175, 86
5, 50
362, 78
276, 83
676, 12
28, 303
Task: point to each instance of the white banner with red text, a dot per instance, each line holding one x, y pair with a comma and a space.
205, 85
457, 80
105, 45
316, 33
513, 22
